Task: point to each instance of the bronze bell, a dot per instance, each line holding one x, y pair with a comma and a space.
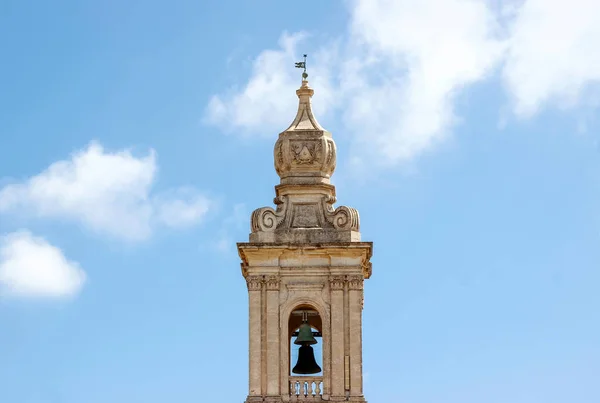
305, 336
306, 363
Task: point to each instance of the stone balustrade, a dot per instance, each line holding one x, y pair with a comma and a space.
306, 388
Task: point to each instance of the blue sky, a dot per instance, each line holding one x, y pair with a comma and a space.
136, 138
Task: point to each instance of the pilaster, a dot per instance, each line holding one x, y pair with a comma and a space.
273, 362
336, 285
255, 284
355, 291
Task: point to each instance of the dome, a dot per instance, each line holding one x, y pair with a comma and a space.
305, 153
305, 157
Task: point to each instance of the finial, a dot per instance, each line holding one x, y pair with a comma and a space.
302, 65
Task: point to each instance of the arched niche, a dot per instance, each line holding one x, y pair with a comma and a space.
322, 324
296, 317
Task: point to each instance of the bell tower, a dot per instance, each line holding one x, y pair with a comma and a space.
305, 266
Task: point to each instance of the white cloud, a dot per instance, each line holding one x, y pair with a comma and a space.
187, 209
265, 102
402, 63
231, 227
31, 267
107, 192
397, 74
423, 53
266, 97
554, 53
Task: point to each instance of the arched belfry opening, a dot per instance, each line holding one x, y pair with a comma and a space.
305, 330
304, 266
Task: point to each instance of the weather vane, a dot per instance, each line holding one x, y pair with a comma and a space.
302, 65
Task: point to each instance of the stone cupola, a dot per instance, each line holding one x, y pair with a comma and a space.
305, 152
305, 158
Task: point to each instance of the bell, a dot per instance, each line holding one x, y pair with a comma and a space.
306, 356
306, 361
305, 336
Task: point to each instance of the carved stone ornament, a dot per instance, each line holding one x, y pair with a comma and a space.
310, 156
254, 283
306, 152
355, 282
244, 267
342, 218
272, 282
337, 282
367, 269
267, 219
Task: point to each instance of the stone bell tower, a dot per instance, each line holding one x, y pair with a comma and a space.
305, 264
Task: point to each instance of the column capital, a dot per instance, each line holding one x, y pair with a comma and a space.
337, 282
254, 283
273, 282
355, 282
